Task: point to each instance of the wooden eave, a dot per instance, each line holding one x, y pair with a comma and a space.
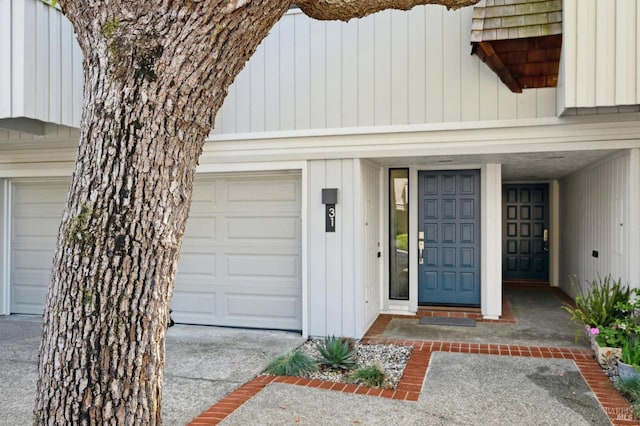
522, 63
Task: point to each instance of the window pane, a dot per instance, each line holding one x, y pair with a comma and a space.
399, 234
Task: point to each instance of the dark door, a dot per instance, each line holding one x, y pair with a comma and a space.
525, 222
449, 228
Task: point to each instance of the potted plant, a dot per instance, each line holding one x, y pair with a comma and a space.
629, 361
609, 341
597, 304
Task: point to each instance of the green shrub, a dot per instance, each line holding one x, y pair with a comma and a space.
294, 363
630, 389
335, 353
596, 305
371, 375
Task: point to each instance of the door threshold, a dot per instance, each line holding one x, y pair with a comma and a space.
439, 308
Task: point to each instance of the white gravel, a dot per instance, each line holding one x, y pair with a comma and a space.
392, 358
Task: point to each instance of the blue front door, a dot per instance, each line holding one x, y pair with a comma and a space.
449, 237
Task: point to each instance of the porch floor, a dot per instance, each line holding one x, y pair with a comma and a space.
532, 316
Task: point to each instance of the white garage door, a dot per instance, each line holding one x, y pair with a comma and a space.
240, 263
36, 213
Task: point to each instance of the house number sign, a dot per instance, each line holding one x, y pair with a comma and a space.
329, 199
330, 220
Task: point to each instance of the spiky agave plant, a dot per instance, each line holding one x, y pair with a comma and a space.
336, 354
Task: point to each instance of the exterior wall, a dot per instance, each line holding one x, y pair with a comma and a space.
596, 214
600, 54
334, 307
392, 68
42, 79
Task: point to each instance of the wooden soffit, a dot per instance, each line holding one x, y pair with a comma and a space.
520, 40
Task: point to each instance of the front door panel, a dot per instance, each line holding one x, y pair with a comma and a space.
525, 253
449, 221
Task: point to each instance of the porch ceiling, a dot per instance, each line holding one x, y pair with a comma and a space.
540, 166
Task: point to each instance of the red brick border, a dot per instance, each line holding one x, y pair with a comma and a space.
410, 385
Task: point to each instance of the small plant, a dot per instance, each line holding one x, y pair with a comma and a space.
612, 336
336, 354
631, 352
630, 389
598, 304
294, 363
371, 375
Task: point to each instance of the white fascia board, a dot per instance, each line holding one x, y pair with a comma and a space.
515, 136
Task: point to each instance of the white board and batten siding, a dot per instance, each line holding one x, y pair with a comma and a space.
391, 68
601, 54
240, 262
597, 214
41, 72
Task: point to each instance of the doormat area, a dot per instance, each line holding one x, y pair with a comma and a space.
452, 321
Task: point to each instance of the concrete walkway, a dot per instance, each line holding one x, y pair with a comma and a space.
203, 364
454, 376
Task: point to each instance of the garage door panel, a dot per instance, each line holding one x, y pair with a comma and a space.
197, 264
262, 265
260, 190
200, 228
262, 305
38, 226
262, 228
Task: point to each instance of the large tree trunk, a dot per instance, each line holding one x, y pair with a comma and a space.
156, 73
151, 94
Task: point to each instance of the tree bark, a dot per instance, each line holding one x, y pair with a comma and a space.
156, 73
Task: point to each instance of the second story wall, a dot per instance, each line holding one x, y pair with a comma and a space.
600, 54
40, 67
392, 68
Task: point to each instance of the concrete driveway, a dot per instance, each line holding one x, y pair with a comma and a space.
203, 364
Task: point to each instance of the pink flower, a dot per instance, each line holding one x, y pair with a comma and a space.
595, 331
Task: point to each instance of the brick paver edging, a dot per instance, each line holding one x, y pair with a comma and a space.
410, 384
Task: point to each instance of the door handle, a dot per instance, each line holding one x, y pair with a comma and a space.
545, 239
420, 252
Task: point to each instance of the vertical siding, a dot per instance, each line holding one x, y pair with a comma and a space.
391, 68
42, 79
5, 52
331, 255
601, 53
595, 215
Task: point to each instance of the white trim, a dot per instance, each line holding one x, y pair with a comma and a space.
251, 167
305, 250
554, 231
5, 237
633, 256
491, 247
593, 120
413, 240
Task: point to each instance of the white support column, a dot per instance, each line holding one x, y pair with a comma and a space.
554, 232
4, 247
633, 220
491, 236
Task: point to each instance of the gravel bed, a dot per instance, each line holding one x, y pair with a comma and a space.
392, 358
